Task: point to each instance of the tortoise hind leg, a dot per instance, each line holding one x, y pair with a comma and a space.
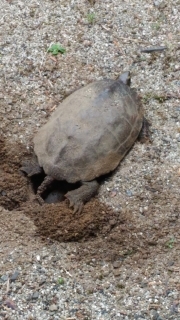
144, 134
78, 197
44, 185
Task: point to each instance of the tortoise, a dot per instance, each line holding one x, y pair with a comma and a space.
87, 136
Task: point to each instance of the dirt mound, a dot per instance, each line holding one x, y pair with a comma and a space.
56, 221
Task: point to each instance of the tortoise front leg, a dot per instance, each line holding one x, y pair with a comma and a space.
78, 197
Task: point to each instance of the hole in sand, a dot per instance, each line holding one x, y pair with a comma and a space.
55, 191
53, 220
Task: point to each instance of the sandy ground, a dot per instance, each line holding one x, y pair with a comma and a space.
120, 258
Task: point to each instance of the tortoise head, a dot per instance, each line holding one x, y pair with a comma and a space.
125, 77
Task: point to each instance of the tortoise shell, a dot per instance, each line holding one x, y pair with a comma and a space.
90, 131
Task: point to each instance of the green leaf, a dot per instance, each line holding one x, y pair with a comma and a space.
169, 244
91, 18
61, 281
56, 48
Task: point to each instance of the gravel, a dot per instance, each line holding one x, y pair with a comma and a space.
133, 271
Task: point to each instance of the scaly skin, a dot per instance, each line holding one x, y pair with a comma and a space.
31, 167
144, 134
78, 197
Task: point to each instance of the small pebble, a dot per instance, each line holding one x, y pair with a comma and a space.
129, 193
106, 285
112, 222
87, 43
116, 272
113, 194
4, 278
35, 295
18, 285
143, 284
117, 264
14, 276
53, 307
